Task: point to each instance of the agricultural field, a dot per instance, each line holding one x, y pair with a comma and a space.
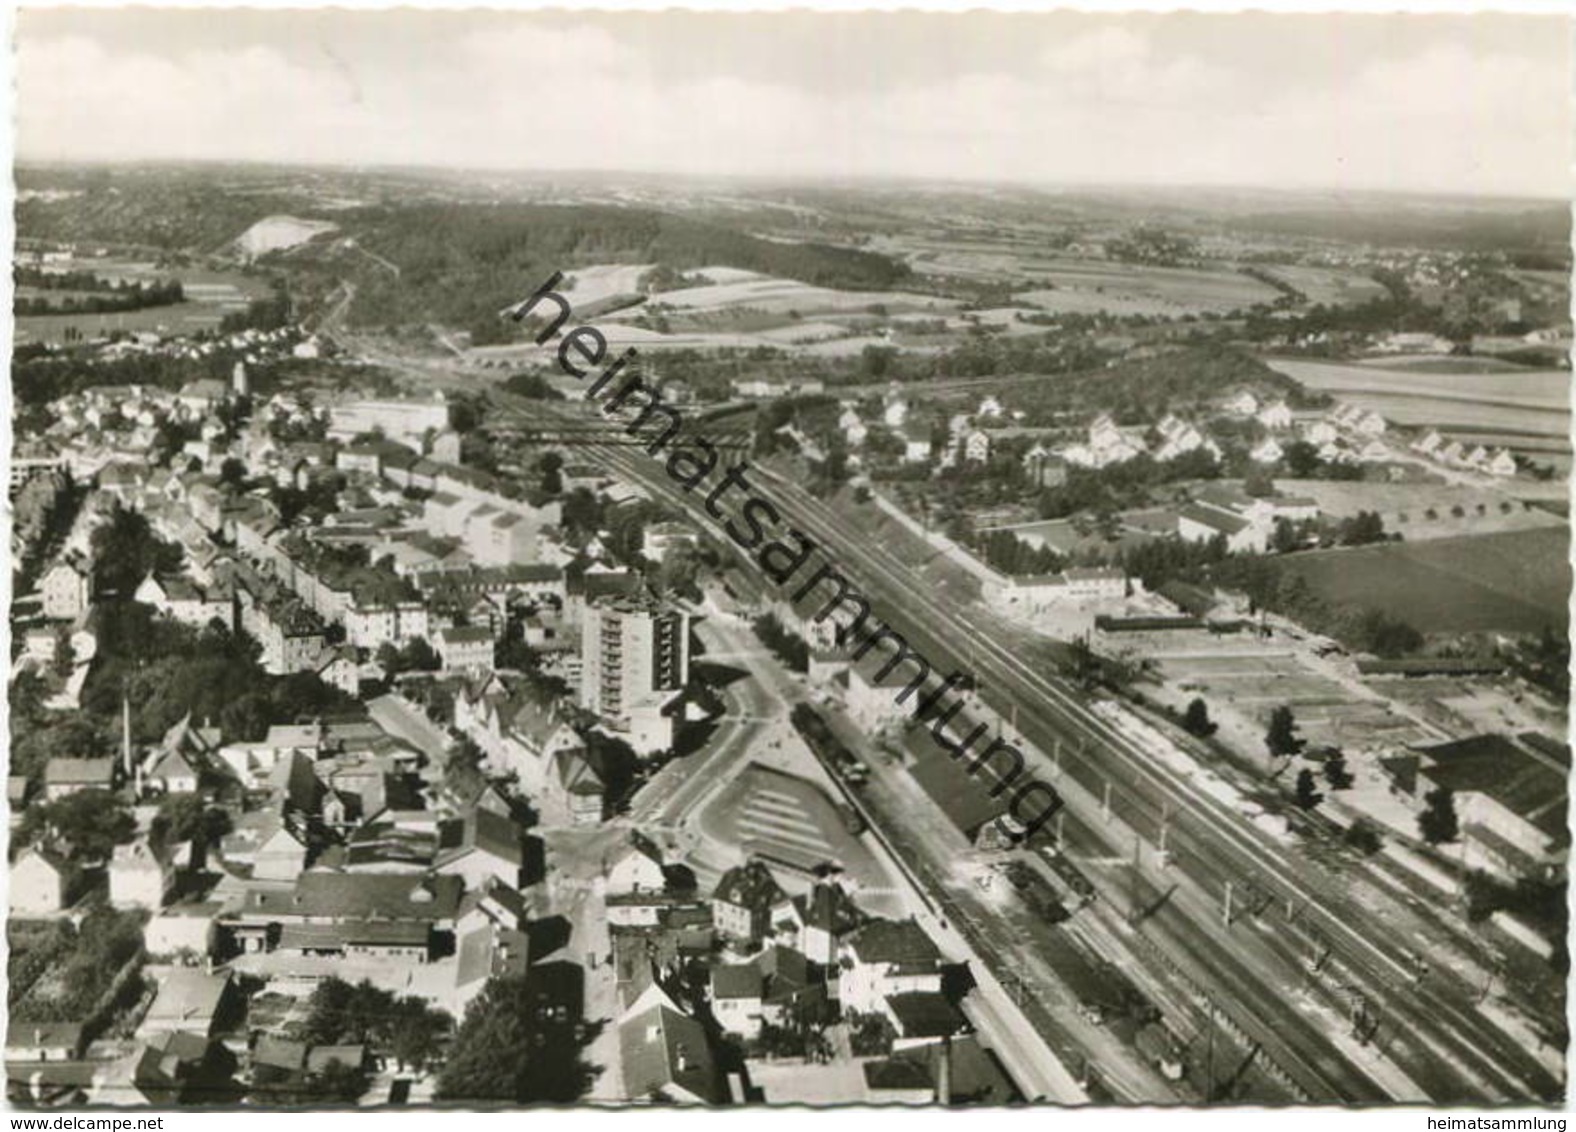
1443, 363
1512, 582
1547, 390
787, 296
1085, 286
210, 295
181, 318
1427, 510
1327, 285
1524, 410
602, 281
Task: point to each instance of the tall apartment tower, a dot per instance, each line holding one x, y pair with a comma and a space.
634, 658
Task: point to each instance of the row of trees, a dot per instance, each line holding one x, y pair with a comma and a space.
788, 647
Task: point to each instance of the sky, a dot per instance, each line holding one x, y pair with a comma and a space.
1471, 104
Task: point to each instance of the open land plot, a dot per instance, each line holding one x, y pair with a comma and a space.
1078, 285
1328, 285
780, 296
210, 295
601, 281
1458, 706
798, 333
180, 318
1243, 690
1443, 363
1521, 388
1406, 507
1515, 581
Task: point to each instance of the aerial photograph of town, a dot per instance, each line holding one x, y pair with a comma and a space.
932, 559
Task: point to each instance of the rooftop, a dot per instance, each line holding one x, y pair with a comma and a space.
893, 941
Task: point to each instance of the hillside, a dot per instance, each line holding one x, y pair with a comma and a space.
463, 262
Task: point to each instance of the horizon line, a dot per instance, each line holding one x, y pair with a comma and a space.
806, 180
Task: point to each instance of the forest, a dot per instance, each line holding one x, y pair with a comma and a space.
461, 263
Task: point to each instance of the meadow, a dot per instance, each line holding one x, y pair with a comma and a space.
1087, 286
210, 295
1511, 582
1328, 285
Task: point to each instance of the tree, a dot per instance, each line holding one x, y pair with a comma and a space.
337, 1081
679, 573
416, 1032
184, 817
1307, 795
126, 550
1438, 822
65, 653
551, 466
532, 385
1302, 459
1196, 720
232, 472
462, 769
1284, 538
504, 1051
1363, 837
1258, 483
1335, 772
90, 822
1362, 528
1281, 738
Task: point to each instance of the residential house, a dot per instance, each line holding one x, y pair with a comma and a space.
736, 992
976, 446
575, 793
743, 900
481, 846
664, 1053
63, 776
922, 1018
1044, 468
822, 917
173, 773
1267, 451
1502, 463
1242, 404
138, 878
1320, 432
264, 841
67, 590
638, 868
466, 648
189, 1000
884, 958
1374, 451
182, 929
43, 1041
917, 441
40, 884
1429, 443
1275, 416
853, 428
